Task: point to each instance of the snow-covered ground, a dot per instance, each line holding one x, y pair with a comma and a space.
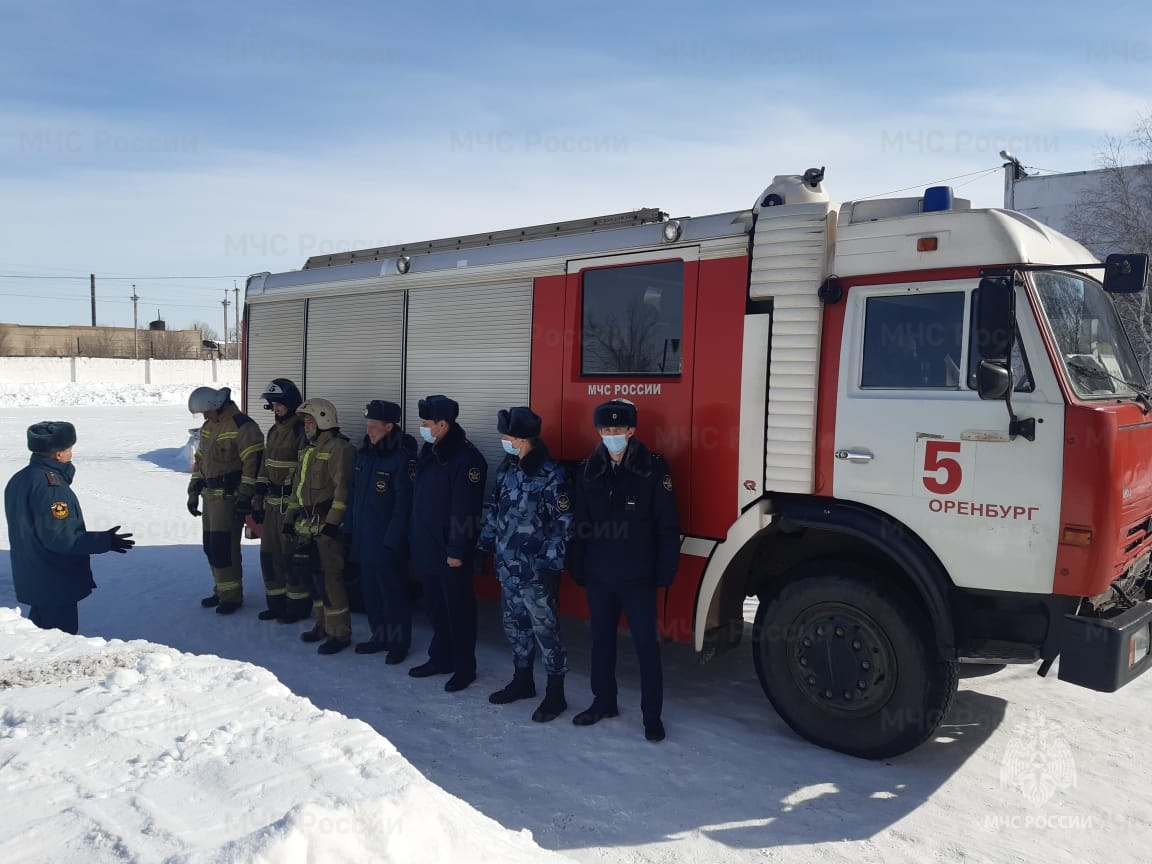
166, 732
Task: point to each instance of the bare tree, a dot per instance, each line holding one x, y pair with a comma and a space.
623, 344
1116, 216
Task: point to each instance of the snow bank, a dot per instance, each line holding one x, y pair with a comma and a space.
118, 751
50, 395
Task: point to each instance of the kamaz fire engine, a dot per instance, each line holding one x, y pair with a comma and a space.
914, 430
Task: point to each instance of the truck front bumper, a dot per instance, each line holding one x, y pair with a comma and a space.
1106, 653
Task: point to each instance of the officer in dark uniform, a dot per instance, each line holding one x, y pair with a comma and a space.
50, 546
626, 545
526, 523
446, 505
377, 520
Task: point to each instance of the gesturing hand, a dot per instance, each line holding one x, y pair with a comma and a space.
120, 542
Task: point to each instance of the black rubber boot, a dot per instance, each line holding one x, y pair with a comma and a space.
332, 645
554, 703
313, 635
522, 686
225, 607
209, 602
296, 610
277, 607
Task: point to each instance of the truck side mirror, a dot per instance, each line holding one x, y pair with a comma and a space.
992, 379
994, 300
1125, 274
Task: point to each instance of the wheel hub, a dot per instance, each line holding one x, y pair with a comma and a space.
841, 659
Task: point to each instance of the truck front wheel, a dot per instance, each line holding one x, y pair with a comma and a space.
848, 661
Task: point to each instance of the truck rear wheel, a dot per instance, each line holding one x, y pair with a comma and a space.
849, 662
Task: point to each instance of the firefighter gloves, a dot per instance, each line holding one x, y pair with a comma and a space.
194, 504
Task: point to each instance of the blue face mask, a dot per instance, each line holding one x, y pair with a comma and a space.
426, 434
616, 444
509, 448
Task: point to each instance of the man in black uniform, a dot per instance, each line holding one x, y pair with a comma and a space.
626, 546
446, 503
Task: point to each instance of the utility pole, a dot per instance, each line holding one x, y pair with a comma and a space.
224, 352
236, 332
92, 280
135, 329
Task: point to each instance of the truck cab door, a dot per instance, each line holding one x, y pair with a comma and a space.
914, 440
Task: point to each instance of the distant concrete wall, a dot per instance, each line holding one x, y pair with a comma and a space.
21, 340
101, 370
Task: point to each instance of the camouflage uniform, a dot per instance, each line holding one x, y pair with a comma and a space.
320, 497
224, 473
272, 499
526, 522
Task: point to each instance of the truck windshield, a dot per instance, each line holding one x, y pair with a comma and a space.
1094, 348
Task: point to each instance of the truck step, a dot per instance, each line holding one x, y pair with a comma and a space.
997, 651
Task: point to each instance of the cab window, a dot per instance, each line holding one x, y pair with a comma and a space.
913, 341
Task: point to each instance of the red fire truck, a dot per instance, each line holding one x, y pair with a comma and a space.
914, 430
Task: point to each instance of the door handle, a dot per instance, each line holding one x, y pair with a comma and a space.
855, 455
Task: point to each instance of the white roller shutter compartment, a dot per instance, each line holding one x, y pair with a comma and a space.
355, 354
275, 348
473, 344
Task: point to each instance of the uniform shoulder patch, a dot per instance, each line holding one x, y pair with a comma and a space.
52, 477
474, 475
59, 509
668, 482
564, 503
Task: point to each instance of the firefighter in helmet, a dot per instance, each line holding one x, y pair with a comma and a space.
282, 444
224, 478
315, 517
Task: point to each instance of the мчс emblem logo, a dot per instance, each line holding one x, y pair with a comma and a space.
59, 510
474, 475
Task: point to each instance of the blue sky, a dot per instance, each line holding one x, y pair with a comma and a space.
218, 140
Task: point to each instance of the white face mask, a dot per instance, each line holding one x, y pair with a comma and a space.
509, 448
427, 435
616, 444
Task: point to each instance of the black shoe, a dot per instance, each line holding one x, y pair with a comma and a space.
225, 607
268, 615
209, 602
594, 715
293, 619
427, 670
653, 730
371, 647
458, 682
554, 703
522, 686
295, 610
313, 635
332, 645
395, 657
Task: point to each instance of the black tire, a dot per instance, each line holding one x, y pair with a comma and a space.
848, 660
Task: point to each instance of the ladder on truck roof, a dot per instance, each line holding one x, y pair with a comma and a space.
630, 219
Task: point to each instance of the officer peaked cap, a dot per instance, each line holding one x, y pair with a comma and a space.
51, 436
439, 408
518, 422
379, 409
614, 413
